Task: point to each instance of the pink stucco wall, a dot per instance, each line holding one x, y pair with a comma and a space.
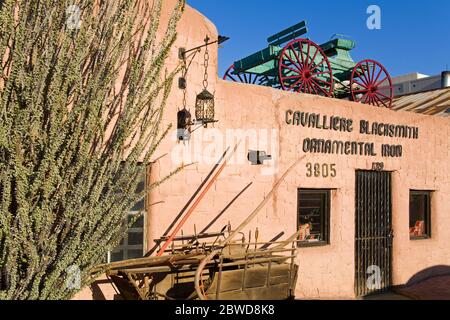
325, 272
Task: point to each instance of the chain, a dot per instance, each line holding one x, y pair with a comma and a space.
184, 98
205, 77
185, 86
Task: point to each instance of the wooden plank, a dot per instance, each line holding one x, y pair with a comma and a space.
151, 261
255, 59
279, 270
256, 277
279, 259
287, 31
279, 280
288, 241
126, 290
191, 237
145, 262
290, 37
276, 292
230, 281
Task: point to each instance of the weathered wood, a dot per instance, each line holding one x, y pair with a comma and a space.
256, 277
238, 255
276, 292
139, 291
159, 269
260, 273
231, 280
184, 285
272, 242
126, 290
143, 262
294, 278
279, 280
288, 241
191, 237
150, 261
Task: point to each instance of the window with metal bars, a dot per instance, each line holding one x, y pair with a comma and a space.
313, 217
132, 245
419, 214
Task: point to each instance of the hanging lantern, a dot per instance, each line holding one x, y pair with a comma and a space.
183, 119
204, 107
184, 124
204, 104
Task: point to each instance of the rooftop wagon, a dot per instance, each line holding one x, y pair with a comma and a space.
298, 64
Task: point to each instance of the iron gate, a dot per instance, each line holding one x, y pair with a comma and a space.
373, 235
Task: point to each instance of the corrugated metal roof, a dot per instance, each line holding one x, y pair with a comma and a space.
435, 102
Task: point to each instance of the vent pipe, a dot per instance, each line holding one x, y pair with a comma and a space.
445, 79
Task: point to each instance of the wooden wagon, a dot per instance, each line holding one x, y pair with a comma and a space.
298, 64
211, 265
238, 271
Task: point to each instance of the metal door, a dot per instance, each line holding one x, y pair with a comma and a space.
373, 234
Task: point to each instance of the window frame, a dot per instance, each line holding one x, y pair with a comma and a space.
325, 216
428, 196
125, 247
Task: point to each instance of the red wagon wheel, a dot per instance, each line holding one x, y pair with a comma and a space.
371, 84
304, 67
245, 77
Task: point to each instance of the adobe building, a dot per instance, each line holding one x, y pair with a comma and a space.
372, 193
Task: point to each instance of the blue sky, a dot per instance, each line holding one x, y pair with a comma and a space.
414, 35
